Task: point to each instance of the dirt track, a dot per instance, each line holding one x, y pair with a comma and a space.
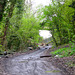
30, 64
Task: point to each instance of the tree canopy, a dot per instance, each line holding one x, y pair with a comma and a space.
58, 17
19, 28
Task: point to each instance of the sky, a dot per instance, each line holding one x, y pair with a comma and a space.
43, 2
43, 33
35, 3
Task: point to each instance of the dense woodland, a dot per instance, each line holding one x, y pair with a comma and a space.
19, 28
59, 18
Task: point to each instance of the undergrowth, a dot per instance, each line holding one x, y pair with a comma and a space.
64, 52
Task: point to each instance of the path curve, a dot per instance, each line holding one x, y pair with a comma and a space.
31, 64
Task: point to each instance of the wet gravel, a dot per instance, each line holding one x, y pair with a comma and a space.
30, 64
66, 64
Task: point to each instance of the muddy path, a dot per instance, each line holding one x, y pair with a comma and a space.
31, 64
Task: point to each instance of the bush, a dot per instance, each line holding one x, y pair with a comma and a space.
14, 42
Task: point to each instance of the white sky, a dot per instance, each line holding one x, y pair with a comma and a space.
43, 2
35, 3
43, 33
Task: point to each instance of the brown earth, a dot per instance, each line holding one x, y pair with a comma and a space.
66, 64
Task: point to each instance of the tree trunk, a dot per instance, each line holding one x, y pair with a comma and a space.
2, 6
59, 34
6, 27
54, 37
7, 23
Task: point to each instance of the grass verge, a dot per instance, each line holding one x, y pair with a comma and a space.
64, 52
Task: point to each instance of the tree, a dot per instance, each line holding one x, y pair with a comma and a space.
57, 17
23, 27
9, 15
2, 7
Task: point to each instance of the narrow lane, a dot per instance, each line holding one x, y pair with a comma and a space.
31, 64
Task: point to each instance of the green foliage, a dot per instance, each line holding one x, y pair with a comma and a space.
57, 18
25, 31
19, 28
64, 52
14, 42
1, 49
